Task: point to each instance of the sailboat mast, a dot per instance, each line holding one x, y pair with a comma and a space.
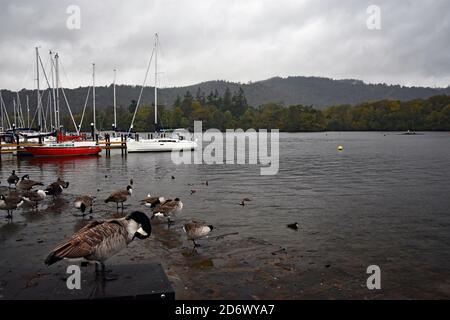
156, 81
39, 106
1, 110
114, 92
93, 95
58, 123
28, 113
15, 116
53, 88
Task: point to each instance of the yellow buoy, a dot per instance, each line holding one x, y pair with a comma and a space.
340, 148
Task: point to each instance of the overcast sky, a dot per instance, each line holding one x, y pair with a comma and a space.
245, 40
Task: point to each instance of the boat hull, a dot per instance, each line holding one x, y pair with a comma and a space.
154, 145
42, 151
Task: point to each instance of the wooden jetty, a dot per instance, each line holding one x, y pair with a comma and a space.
134, 281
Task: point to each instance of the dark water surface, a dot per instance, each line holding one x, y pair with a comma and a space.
384, 200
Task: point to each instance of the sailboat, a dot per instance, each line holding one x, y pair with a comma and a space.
160, 143
65, 145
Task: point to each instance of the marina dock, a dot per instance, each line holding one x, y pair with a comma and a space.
106, 144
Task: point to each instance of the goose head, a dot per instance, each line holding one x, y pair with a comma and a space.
143, 228
129, 190
26, 176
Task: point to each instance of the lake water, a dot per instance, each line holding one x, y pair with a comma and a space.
384, 200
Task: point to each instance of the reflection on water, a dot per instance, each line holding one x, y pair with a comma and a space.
383, 200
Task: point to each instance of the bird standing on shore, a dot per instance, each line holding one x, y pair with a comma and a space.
56, 188
13, 179
84, 202
10, 204
99, 240
120, 196
26, 184
34, 197
168, 209
195, 230
153, 202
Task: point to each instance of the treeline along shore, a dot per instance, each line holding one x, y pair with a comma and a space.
231, 111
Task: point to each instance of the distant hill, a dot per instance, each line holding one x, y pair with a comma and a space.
314, 91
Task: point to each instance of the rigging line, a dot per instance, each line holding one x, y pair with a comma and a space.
43, 113
70, 111
45, 76
84, 108
142, 89
27, 74
19, 111
5, 112
34, 117
65, 74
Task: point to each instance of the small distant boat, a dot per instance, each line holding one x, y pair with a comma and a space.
410, 133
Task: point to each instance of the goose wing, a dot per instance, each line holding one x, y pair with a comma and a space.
87, 200
196, 230
166, 208
150, 200
117, 196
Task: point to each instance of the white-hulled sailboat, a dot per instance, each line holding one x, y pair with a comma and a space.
160, 142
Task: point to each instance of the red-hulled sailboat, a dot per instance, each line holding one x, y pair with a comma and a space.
66, 146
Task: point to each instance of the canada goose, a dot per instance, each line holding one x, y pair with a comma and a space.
120, 196
153, 202
293, 226
83, 202
99, 240
26, 184
10, 204
168, 209
242, 203
34, 197
56, 188
193, 191
13, 179
195, 230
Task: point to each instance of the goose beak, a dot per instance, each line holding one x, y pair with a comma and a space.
142, 234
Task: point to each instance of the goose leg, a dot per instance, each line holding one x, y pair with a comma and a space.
105, 276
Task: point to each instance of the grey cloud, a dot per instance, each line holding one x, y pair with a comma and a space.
231, 40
